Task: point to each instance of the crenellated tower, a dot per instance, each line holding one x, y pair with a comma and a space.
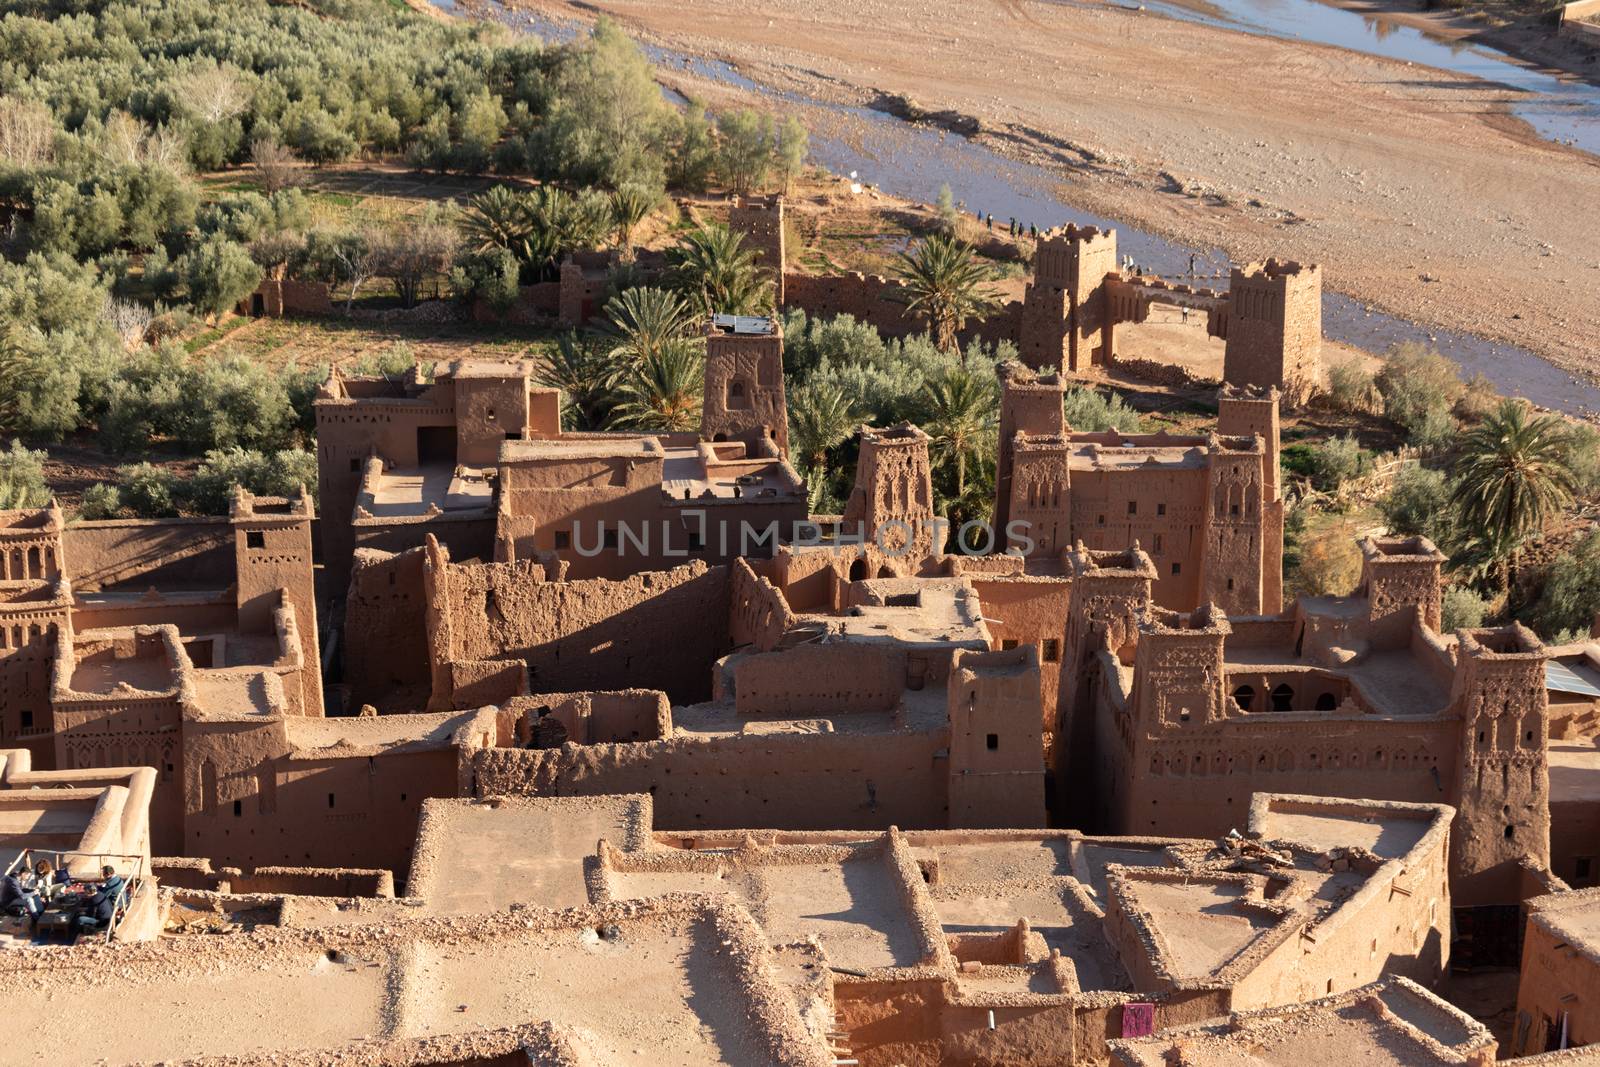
1065, 313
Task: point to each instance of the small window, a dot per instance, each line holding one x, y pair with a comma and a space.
330, 800
695, 542
1161, 509
1509, 831
27, 720
355, 465
610, 540
1230, 583
402, 798
1581, 867
1133, 507
1101, 521
238, 808
1157, 545
563, 539
1052, 649
992, 742
491, 414
512, 435
255, 539
1233, 509
1007, 644
1177, 568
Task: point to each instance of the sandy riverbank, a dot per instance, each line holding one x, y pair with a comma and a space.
1414, 188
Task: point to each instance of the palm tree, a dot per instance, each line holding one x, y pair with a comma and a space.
662, 392
959, 410
496, 219
721, 276
643, 321
631, 204
944, 280
820, 417
1515, 472
585, 373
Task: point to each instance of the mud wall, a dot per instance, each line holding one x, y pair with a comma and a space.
656, 630
386, 644
786, 781
154, 551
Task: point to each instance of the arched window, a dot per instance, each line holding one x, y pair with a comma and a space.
1244, 696
1327, 702
1282, 698
858, 570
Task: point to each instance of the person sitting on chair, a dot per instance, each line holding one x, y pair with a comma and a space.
17, 891
98, 911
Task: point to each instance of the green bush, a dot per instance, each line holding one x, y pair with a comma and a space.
1419, 388
1351, 388
1571, 596
22, 483
1329, 464
1419, 503
100, 501
148, 490
1089, 410
1462, 609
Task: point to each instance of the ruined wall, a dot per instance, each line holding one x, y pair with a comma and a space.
760, 220
1028, 610
656, 630
386, 644
759, 614
804, 781
996, 750
276, 297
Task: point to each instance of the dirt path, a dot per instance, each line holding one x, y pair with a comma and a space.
1414, 188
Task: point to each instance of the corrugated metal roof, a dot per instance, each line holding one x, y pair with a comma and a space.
1572, 678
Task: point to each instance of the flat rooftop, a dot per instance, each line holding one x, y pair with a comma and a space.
918, 710
685, 476
412, 492
101, 672
570, 447
1393, 1023
1574, 772
1093, 455
661, 987
1574, 917
916, 611
474, 858
1393, 682
432, 730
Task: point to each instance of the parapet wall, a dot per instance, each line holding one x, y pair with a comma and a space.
103, 553
798, 781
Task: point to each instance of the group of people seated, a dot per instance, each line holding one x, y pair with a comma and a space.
47, 887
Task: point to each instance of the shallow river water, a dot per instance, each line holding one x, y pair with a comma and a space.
911, 161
